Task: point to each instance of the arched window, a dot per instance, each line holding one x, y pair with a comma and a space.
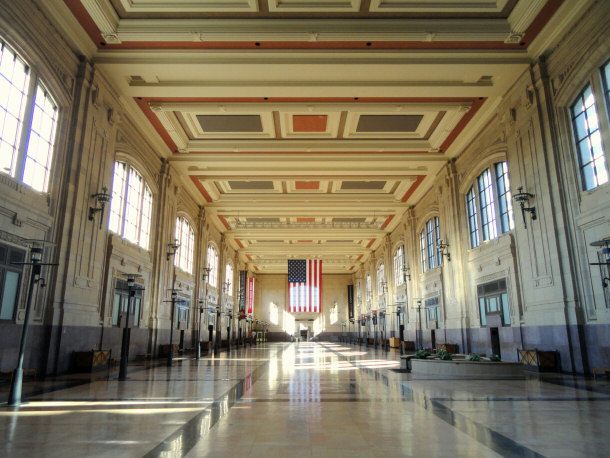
229, 279
428, 241
213, 266
380, 279
369, 288
589, 133
131, 205
399, 263
186, 241
489, 205
28, 120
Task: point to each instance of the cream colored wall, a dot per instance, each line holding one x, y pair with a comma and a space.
273, 289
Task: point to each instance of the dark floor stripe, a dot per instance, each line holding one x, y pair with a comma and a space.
181, 441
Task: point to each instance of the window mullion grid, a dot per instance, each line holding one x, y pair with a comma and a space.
494, 191
123, 218
26, 127
140, 212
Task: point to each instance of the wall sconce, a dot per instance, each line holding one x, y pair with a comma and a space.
406, 273
172, 248
443, 249
101, 199
523, 198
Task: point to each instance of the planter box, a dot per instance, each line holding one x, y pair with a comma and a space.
462, 368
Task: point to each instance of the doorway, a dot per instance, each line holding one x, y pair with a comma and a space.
495, 341
181, 345
433, 338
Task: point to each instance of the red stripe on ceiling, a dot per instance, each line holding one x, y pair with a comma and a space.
387, 221
82, 16
545, 14
371, 243
462, 123
352, 268
359, 257
249, 257
413, 187
202, 190
239, 244
306, 220
144, 106
255, 267
301, 185
305, 241
224, 221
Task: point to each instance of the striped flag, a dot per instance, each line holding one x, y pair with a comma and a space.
305, 285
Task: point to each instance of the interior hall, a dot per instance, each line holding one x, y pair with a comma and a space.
304, 228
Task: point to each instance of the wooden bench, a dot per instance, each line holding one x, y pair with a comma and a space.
539, 360
408, 345
603, 370
8, 375
144, 357
449, 348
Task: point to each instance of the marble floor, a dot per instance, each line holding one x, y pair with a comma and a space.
305, 400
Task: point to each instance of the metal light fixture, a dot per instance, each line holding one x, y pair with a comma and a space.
605, 243
172, 248
101, 199
36, 253
406, 273
131, 283
443, 249
523, 198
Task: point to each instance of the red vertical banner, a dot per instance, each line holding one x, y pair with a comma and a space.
250, 296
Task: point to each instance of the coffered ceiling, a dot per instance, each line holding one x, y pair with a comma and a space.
307, 128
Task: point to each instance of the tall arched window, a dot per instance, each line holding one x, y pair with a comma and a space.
186, 241
369, 288
131, 205
229, 279
380, 279
489, 206
589, 133
428, 241
213, 266
28, 120
399, 263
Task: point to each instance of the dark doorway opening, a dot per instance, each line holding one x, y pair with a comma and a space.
181, 345
402, 332
433, 338
495, 341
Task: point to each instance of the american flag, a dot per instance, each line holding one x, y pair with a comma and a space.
305, 284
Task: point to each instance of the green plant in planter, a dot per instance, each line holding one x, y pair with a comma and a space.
495, 358
444, 355
422, 354
474, 357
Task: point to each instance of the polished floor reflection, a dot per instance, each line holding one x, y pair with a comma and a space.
305, 399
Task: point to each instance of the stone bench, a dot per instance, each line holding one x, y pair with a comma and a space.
407, 362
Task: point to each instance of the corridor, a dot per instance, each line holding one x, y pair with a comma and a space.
305, 400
